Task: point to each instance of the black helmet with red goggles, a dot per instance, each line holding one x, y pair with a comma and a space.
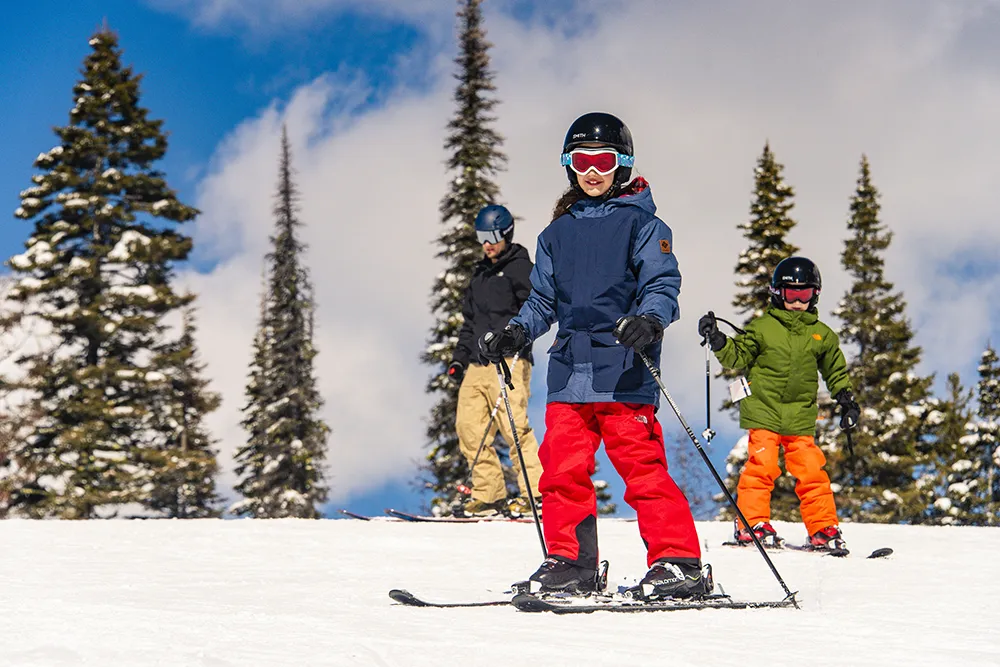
796, 279
601, 142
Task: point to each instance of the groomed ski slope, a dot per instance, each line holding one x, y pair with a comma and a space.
221, 593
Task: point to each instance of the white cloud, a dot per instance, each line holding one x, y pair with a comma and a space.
701, 89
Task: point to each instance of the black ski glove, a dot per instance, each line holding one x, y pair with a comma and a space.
708, 328
495, 346
638, 331
456, 372
850, 411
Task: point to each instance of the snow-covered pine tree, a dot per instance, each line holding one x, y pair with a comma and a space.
765, 231
97, 270
185, 466
968, 486
985, 449
944, 478
475, 158
281, 465
892, 440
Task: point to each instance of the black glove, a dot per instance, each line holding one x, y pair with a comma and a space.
708, 328
494, 346
850, 411
638, 331
456, 371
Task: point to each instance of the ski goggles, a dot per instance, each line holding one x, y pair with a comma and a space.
492, 236
800, 294
602, 160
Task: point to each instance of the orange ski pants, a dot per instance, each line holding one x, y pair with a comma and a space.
804, 461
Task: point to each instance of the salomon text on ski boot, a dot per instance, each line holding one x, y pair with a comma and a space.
680, 578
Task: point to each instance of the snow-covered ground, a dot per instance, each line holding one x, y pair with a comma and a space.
221, 593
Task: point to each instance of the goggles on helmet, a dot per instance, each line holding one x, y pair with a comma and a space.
492, 236
602, 160
800, 294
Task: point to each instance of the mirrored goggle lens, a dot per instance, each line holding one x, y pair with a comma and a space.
603, 163
493, 236
800, 294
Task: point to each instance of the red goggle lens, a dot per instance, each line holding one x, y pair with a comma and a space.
800, 294
603, 163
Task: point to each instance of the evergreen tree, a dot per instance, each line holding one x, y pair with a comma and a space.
769, 223
281, 466
97, 271
945, 481
185, 465
765, 231
475, 158
984, 450
968, 486
894, 439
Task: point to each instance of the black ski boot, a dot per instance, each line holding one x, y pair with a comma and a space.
559, 576
679, 579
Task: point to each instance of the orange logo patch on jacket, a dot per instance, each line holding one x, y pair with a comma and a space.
817, 337
664, 246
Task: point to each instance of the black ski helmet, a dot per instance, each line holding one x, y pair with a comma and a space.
795, 271
494, 223
600, 128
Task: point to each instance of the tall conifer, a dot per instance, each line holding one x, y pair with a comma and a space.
281, 465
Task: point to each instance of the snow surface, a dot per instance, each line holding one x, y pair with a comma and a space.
289, 592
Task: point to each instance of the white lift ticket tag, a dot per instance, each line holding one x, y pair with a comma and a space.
739, 389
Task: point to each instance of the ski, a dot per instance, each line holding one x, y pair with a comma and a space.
362, 517
532, 603
881, 552
406, 516
410, 600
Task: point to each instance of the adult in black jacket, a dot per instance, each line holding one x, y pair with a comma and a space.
500, 284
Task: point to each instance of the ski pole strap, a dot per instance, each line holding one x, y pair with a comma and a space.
735, 328
505, 371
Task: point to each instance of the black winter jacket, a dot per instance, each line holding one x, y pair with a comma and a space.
494, 295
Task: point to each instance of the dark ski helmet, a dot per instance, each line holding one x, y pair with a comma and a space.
796, 272
601, 128
494, 223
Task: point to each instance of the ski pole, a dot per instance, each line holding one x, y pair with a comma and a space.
850, 449
708, 433
503, 375
760, 547
467, 489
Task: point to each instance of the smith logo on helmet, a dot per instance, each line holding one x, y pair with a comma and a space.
579, 135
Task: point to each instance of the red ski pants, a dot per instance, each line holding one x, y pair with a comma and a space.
633, 441
804, 461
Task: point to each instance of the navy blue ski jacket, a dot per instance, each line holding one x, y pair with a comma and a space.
602, 260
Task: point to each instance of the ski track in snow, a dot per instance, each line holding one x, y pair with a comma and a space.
226, 593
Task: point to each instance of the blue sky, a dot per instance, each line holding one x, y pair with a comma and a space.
914, 84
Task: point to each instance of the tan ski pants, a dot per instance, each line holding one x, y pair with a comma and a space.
476, 398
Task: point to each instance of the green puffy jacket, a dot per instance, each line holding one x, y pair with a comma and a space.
780, 354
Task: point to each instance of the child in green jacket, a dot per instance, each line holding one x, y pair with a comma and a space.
781, 353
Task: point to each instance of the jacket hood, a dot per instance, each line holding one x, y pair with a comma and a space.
637, 193
792, 319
